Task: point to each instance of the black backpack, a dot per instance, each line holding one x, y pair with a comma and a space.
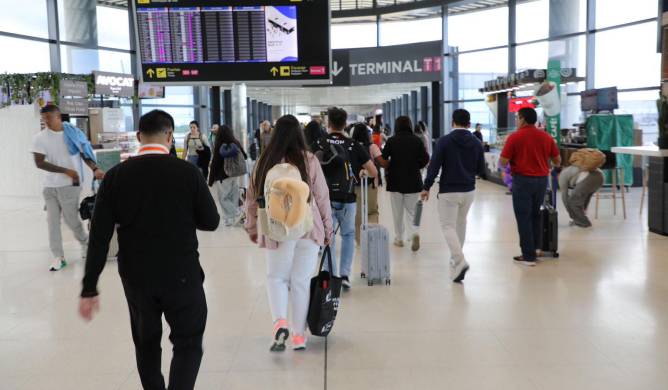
337, 167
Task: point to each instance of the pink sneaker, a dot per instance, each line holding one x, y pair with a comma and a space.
299, 342
281, 334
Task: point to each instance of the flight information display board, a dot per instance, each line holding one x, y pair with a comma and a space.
201, 41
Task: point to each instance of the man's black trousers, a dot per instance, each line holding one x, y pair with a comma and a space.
185, 310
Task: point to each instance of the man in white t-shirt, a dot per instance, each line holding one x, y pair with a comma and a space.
61, 183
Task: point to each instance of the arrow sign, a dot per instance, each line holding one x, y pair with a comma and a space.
150, 73
335, 69
274, 71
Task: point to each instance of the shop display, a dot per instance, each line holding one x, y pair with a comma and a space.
125, 142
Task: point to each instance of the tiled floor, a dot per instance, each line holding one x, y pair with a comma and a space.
597, 318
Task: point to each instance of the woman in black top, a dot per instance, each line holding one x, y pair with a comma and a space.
403, 157
226, 146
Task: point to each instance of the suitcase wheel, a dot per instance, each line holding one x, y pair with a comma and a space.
556, 255
388, 282
363, 275
370, 283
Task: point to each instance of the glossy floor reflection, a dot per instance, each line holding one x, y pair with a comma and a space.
597, 318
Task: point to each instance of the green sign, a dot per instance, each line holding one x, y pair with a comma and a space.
552, 104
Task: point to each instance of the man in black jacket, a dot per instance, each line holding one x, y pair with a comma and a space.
404, 155
460, 157
156, 202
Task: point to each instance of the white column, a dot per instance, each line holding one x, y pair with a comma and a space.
240, 114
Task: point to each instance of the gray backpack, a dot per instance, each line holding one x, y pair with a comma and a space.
235, 166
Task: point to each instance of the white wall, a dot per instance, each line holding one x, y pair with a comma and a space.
18, 175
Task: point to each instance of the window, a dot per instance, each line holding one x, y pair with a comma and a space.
33, 57
79, 60
77, 21
113, 61
480, 113
532, 56
182, 117
642, 105
27, 18
350, 35
478, 30
633, 64
571, 112
174, 96
113, 28
410, 31
533, 20
476, 68
614, 12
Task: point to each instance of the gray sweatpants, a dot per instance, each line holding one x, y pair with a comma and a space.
63, 201
576, 198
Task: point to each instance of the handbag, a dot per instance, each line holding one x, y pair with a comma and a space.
324, 303
87, 205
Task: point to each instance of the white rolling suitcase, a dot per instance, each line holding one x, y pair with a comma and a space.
374, 244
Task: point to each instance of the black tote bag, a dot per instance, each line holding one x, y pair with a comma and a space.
325, 293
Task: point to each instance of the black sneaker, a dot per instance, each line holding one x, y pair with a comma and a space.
522, 261
346, 283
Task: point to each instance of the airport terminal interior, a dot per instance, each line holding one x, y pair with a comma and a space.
590, 313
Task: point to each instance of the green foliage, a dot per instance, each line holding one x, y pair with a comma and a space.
24, 88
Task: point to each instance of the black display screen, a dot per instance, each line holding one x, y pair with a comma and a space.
204, 41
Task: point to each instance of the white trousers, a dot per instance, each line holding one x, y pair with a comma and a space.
228, 197
289, 271
400, 203
453, 208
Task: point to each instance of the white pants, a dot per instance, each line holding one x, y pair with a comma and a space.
400, 203
228, 197
289, 271
453, 207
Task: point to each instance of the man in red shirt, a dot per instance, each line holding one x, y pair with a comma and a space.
528, 151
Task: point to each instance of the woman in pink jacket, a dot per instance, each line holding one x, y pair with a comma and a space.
290, 264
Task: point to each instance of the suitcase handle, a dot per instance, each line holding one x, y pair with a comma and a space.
364, 183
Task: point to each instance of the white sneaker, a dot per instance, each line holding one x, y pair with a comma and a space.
58, 264
458, 271
399, 243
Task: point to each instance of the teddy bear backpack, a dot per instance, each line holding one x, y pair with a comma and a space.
287, 213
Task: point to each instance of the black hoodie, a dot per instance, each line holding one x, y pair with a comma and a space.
460, 156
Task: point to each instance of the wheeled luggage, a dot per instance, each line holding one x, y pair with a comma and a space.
549, 223
374, 244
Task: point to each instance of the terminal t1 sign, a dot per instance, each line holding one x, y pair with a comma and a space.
417, 62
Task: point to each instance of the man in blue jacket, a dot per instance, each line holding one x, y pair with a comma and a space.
460, 157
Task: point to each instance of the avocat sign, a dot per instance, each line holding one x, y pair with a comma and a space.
116, 84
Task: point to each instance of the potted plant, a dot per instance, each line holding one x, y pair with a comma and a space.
662, 106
